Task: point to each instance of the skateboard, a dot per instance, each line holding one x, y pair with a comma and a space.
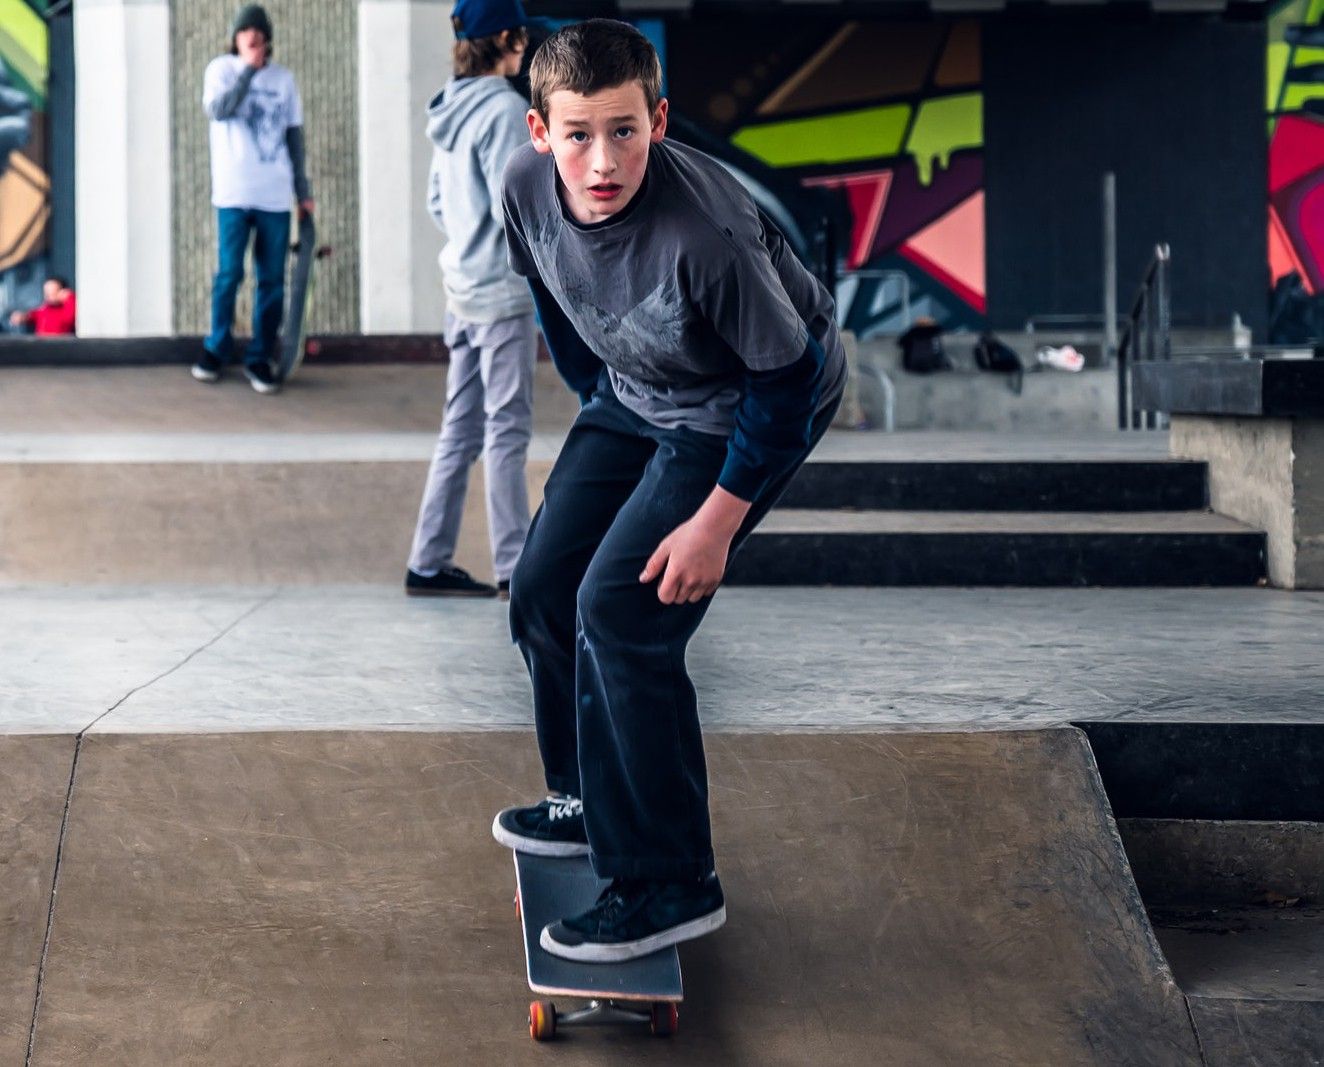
295, 338
643, 991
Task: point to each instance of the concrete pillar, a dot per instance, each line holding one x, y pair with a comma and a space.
404, 58
123, 167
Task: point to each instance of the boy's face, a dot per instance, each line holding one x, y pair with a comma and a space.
600, 144
51, 290
252, 45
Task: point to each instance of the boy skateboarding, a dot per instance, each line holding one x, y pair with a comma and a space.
709, 364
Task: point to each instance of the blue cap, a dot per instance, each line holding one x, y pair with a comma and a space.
484, 18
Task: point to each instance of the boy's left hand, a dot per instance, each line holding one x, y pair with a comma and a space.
691, 560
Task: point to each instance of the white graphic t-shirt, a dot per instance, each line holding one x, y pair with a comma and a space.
250, 164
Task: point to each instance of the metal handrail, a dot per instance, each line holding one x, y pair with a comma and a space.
1148, 337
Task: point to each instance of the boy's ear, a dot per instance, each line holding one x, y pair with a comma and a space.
659, 129
538, 132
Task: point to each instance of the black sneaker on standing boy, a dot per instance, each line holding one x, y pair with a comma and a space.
708, 363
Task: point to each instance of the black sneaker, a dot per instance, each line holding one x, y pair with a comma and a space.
633, 918
208, 368
553, 828
503, 589
261, 379
449, 581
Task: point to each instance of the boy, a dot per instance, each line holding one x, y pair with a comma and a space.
476, 122
256, 160
57, 314
709, 365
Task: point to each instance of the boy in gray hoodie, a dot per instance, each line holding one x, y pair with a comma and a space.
475, 123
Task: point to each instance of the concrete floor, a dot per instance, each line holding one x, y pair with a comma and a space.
220, 659
314, 898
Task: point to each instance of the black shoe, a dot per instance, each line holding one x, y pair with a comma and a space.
449, 581
633, 918
553, 828
261, 379
208, 368
503, 589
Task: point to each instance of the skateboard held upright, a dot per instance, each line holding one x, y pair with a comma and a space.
294, 338
641, 991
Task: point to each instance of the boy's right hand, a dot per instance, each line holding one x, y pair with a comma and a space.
254, 54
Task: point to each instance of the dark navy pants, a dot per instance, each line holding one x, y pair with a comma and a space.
616, 715
270, 231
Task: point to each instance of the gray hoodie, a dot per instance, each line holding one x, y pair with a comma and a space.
475, 124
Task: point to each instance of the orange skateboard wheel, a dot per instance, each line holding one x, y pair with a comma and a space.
542, 1020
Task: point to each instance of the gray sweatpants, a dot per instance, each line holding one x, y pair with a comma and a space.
489, 410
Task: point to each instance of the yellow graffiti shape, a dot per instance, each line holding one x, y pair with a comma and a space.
1279, 54
23, 43
942, 127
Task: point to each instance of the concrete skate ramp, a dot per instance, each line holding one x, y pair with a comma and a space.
34, 778
325, 898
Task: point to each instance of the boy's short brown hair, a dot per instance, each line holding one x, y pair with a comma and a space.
472, 57
593, 55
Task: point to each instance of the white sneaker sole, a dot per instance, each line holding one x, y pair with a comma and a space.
532, 847
207, 376
629, 950
265, 388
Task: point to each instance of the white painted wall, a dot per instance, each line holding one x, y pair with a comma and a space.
404, 58
122, 167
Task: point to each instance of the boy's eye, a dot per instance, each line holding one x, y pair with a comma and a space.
578, 136
624, 131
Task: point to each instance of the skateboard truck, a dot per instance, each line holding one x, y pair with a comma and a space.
544, 1020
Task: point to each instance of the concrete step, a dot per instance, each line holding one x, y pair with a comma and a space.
1002, 485
817, 547
1220, 822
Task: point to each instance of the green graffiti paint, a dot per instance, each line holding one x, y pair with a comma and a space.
869, 133
23, 48
944, 126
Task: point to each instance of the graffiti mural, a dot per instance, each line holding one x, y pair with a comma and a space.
1296, 142
24, 183
887, 116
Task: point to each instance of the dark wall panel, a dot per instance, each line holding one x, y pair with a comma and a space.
1176, 109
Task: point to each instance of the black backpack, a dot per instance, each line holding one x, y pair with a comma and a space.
1000, 358
992, 354
921, 349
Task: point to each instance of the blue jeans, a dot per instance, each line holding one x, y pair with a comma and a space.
271, 231
616, 714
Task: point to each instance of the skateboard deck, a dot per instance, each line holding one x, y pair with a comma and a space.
295, 337
644, 990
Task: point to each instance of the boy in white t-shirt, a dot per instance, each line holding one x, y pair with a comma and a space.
257, 168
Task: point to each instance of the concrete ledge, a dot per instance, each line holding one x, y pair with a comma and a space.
1269, 473
225, 522
1271, 388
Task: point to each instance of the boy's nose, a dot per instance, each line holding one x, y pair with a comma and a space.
603, 161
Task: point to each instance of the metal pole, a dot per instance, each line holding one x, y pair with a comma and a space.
1110, 265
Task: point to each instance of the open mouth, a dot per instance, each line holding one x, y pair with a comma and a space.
604, 191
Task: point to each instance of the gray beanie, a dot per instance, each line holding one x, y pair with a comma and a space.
251, 17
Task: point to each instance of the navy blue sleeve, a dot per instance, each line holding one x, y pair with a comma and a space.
773, 422
578, 364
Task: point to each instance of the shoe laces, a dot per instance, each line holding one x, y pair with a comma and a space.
564, 808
